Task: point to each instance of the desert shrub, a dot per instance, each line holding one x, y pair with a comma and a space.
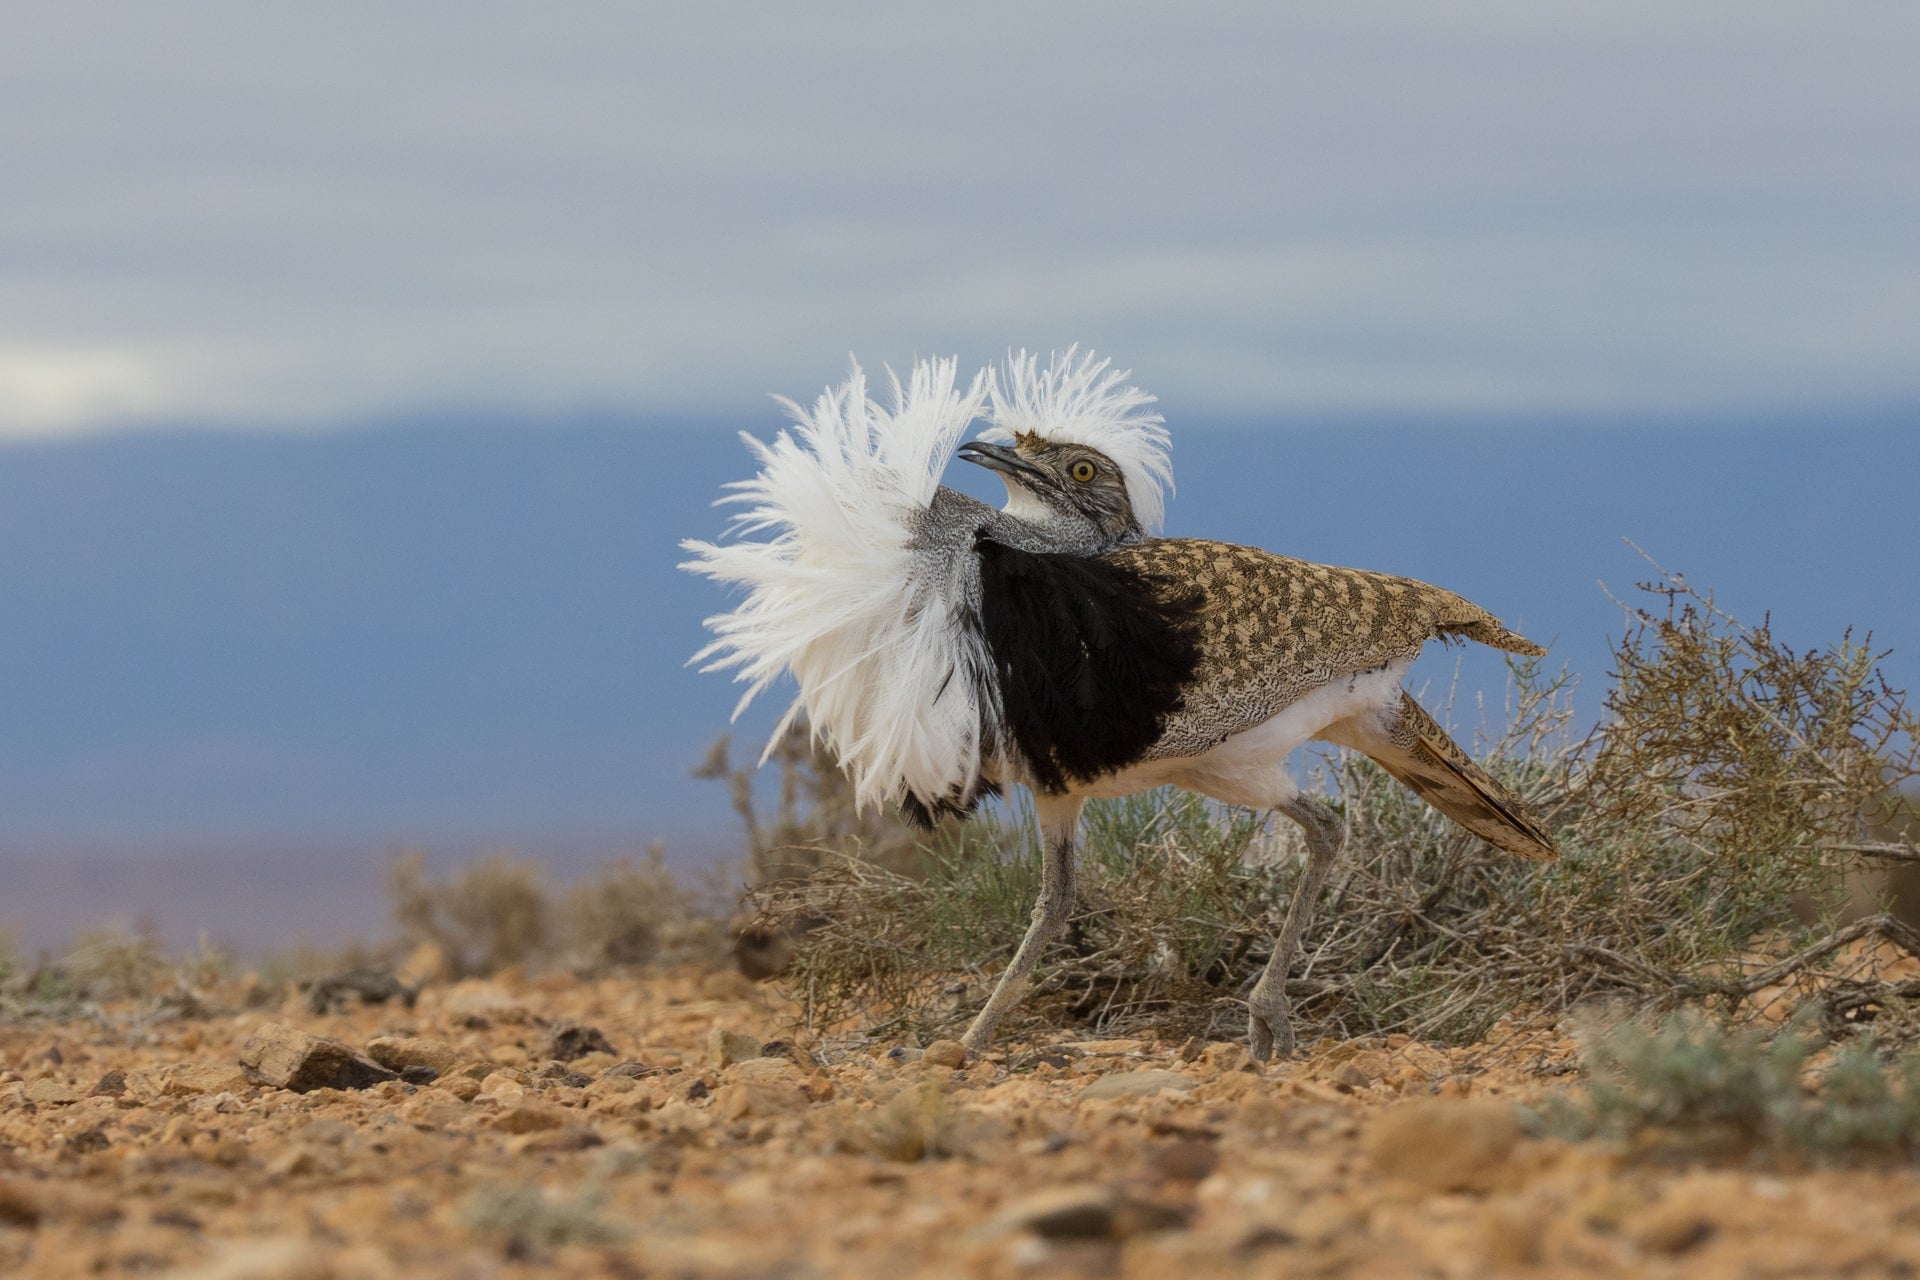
118, 974
1693, 1083
500, 912
632, 911
1709, 817
109, 964
488, 916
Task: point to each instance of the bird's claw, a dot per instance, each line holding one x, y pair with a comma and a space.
1269, 1033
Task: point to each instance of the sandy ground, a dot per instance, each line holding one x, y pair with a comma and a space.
668, 1148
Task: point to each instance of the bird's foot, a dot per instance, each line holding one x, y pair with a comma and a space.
1269, 1029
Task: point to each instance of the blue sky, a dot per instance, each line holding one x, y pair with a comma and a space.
271, 216
360, 366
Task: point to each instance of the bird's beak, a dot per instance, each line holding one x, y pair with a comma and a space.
997, 457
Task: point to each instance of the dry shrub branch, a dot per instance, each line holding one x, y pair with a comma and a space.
1709, 824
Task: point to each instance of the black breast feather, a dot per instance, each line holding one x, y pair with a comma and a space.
1091, 658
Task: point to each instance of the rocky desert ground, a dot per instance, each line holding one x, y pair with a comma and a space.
675, 1125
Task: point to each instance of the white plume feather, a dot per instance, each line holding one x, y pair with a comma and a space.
837, 594
1078, 399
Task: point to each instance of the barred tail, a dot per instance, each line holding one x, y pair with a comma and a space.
1417, 751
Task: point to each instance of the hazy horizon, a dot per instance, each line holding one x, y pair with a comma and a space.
234, 650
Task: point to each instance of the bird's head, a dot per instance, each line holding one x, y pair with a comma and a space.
1073, 487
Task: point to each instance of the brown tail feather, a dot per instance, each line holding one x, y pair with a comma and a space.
1489, 632
1418, 751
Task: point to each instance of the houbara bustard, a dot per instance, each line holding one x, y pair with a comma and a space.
944, 648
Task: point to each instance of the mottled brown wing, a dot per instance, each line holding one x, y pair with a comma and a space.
1274, 628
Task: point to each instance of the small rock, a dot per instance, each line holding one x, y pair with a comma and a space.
53, 1093
510, 1055
632, 1070
788, 1049
397, 1053
1372, 1064
464, 1088
569, 1040
1444, 1145
418, 1075
201, 1077
1192, 1049
89, 1140
1187, 1160
1350, 1076
504, 1085
19, 1206
1064, 1213
1136, 1084
1226, 1056
283, 1259
740, 1101
1672, 1229
111, 1085
288, 1058
529, 1117
573, 1137
764, 1071
369, 984
293, 1162
558, 1073
724, 1047
944, 1053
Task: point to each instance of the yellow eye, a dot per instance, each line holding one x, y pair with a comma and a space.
1082, 471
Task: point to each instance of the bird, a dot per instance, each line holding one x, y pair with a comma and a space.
944, 648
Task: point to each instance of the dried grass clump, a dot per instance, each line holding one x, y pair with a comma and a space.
1707, 825
127, 970
1692, 1084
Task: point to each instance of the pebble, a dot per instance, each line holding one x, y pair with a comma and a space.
1137, 1084
288, 1058
945, 1053
1443, 1145
397, 1053
1061, 1213
724, 1047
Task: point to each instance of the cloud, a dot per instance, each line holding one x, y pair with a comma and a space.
223, 212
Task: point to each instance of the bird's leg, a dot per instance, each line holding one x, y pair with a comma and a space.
1269, 1025
1059, 818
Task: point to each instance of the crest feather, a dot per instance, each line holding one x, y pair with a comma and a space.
1079, 399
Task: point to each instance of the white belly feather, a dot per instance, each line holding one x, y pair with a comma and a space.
1250, 768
